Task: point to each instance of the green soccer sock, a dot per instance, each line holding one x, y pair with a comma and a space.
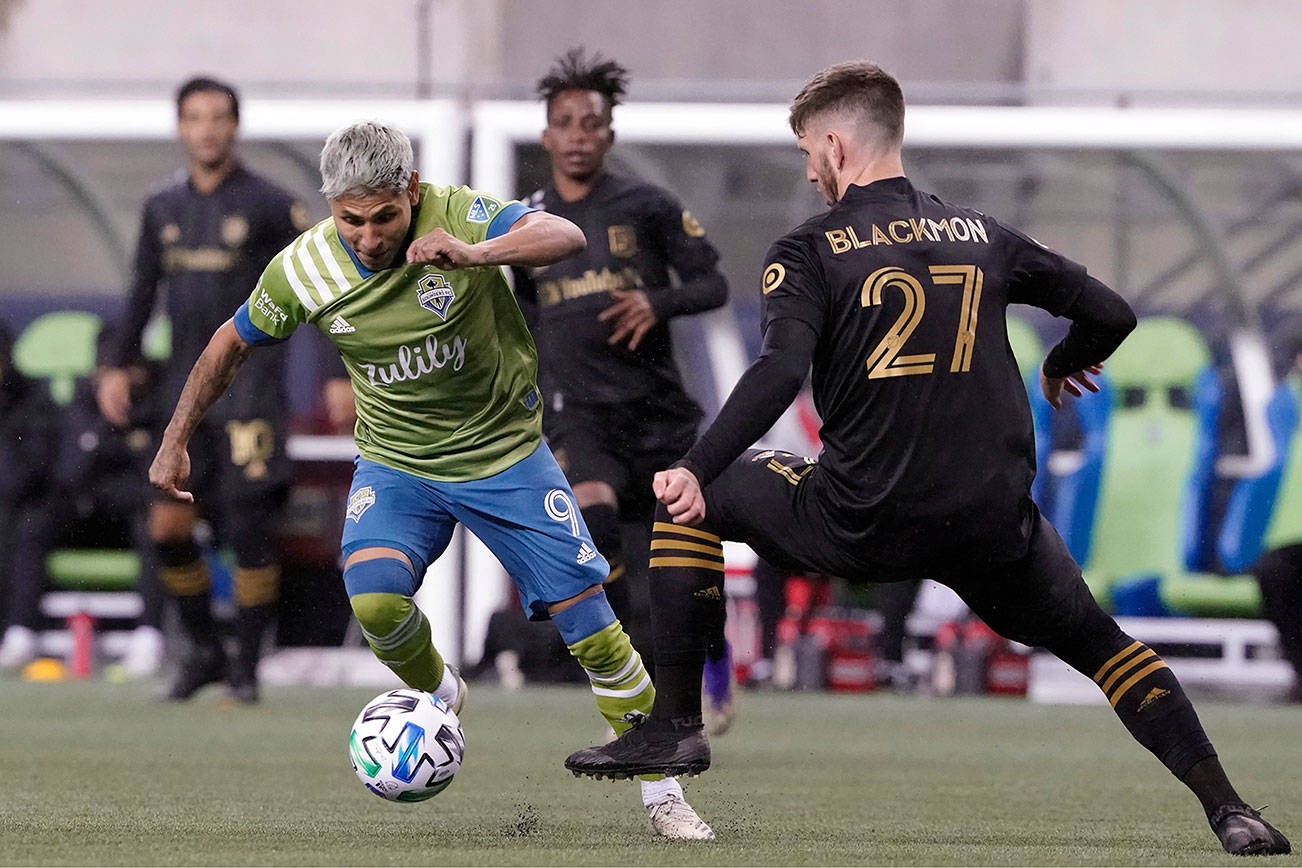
399, 634
620, 682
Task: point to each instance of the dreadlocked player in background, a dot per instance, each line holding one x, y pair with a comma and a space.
615, 407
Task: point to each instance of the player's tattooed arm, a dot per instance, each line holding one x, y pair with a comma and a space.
534, 240
209, 379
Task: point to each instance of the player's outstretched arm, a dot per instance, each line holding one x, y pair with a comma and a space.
536, 239
209, 378
763, 394
1100, 321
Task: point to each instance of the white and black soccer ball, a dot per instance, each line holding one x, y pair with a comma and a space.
406, 745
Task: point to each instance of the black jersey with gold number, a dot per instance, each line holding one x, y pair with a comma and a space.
637, 233
926, 426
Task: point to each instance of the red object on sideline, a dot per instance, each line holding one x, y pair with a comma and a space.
82, 627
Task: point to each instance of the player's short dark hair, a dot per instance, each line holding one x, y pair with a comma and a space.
203, 84
858, 88
574, 70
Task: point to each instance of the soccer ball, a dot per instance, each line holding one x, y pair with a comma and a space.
406, 745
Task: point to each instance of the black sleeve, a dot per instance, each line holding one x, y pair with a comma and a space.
1100, 321
526, 294
1039, 276
701, 285
144, 291
760, 397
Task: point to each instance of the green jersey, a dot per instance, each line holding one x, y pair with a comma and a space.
442, 365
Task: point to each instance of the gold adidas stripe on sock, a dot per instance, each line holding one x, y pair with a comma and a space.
1139, 659
1139, 676
684, 530
186, 580
1116, 658
1123, 665
256, 586
715, 549
687, 562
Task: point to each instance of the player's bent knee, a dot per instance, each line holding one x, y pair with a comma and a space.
381, 575
380, 614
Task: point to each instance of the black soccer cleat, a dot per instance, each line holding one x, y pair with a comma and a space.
1244, 833
638, 753
203, 667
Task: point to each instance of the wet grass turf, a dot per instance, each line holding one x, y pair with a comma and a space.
98, 773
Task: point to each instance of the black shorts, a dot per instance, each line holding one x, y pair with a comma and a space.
238, 462
764, 499
622, 445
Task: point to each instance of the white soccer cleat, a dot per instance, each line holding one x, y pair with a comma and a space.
18, 649
674, 818
718, 718
460, 702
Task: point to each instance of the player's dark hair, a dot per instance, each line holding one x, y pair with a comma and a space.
202, 84
574, 70
858, 88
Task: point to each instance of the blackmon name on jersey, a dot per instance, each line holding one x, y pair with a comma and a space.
926, 425
442, 366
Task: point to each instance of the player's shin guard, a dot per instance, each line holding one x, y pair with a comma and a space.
620, 682
399, 634
687, 617
379, 591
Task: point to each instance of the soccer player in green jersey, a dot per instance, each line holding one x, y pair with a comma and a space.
405, 279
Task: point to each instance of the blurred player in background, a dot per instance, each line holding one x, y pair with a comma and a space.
615, 409
405, 279
29, 426
898, 300
204, 239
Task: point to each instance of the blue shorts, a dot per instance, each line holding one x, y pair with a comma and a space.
526, 515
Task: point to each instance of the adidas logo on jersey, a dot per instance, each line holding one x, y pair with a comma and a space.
341, 327
586, 553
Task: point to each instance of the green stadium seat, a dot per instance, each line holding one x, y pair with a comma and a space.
58, 347
1151, 455
1028, 349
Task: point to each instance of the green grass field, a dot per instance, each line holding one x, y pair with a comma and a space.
99, 774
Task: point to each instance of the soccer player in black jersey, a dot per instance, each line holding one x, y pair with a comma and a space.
898, 301
615, 407
205, 238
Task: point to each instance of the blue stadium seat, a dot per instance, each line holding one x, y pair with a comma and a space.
1265, 512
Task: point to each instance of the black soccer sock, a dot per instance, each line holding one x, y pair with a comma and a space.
256, 590
185, 575
1208, 781
603, 524
1153, 706
687, 616
250, 626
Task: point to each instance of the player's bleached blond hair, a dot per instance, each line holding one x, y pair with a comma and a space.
366, 157
858, 89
